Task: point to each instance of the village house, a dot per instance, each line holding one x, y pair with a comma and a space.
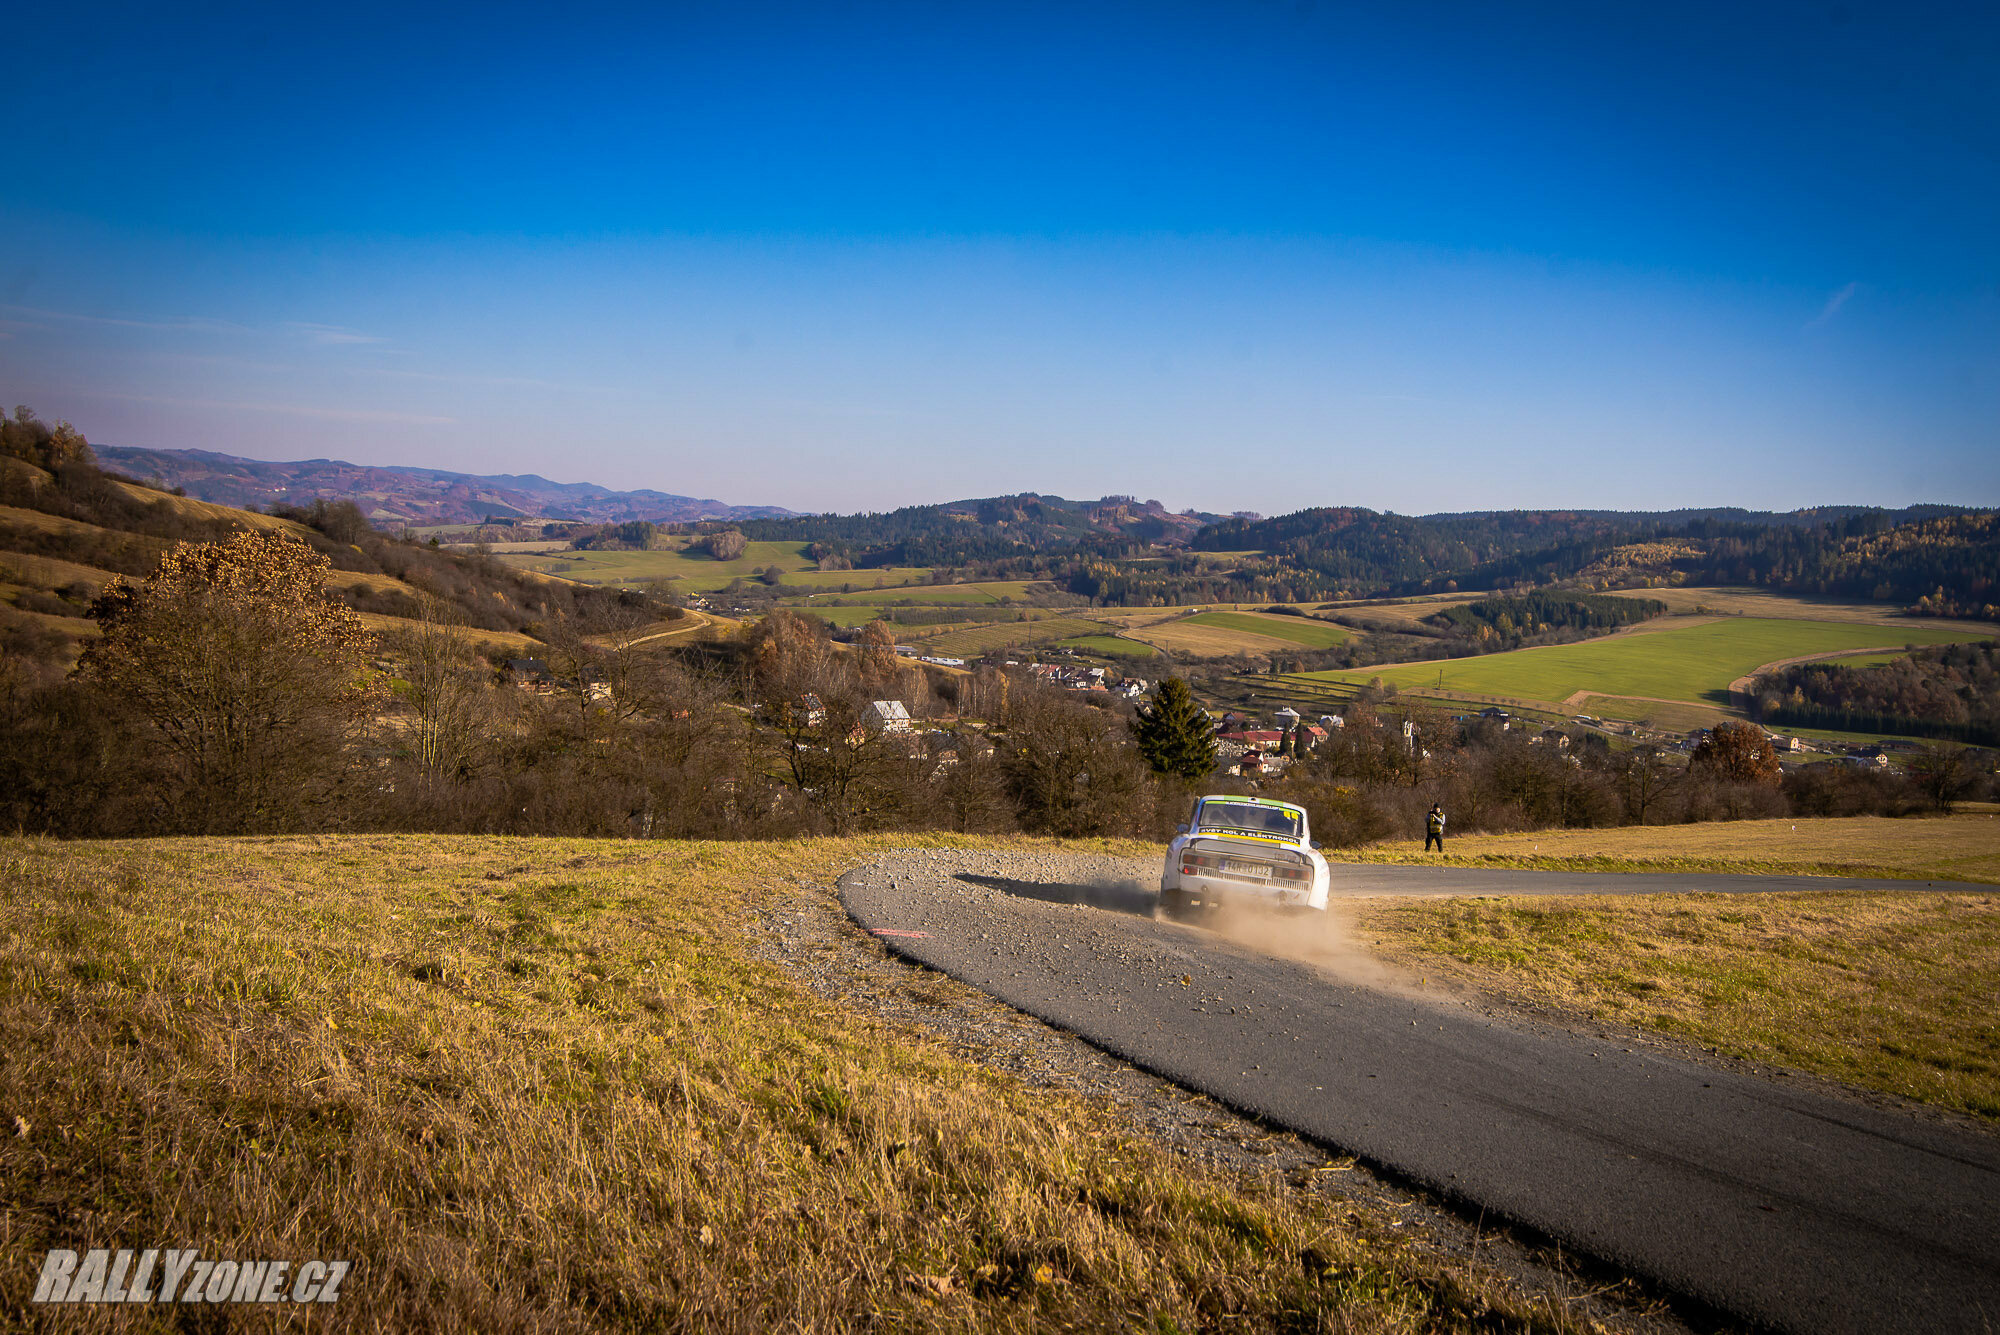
532, 674
1253, 739
888, 716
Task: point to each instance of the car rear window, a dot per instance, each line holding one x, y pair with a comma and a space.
1249, 819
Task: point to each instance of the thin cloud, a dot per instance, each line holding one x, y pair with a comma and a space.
327, 335
183, 325
1833, 305
331, 335
308, 410
524, 382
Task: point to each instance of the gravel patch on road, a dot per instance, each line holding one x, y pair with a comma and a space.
806, 931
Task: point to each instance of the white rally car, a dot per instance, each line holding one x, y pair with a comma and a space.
1243, 850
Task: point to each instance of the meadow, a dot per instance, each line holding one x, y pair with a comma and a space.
1224, 634
1110, 645
697, 572
999, 635
1298, 630
537, 1084
1666, 660
970, 595
1753, 602
1887, 991
1964, 847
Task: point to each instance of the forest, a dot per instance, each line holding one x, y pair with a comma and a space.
1952, 691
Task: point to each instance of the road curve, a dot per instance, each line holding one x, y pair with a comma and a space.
1770, 1203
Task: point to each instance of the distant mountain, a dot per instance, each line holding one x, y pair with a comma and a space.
415, 496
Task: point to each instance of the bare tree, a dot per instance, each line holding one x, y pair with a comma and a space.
443, 691
1645, 780
832, 757
1942, 772
1068, 767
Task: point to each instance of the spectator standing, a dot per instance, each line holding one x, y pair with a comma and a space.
1434, 828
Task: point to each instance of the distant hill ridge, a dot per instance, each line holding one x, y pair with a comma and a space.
388, 494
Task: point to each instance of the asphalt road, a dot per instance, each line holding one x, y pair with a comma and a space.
1769, 1202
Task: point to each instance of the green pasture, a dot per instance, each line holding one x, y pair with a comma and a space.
1692, 663
1860, 660
1298, 630
862, 582
1110, 645
946, 594
983, 639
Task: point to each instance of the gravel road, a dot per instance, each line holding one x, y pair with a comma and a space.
1766, 1200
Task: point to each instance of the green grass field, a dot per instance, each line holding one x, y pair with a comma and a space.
1312, 634
1860, 660
968, 595
1694, 663
1111, 645
970, 643
840, 616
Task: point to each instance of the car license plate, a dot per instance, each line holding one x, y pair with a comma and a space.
1248, 869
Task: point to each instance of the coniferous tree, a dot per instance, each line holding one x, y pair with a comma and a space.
1174, 734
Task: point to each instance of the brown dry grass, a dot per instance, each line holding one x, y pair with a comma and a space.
46, 572
544, 1085
1195, 641
1764, 603
1964, 847
1890, 991
210, 510
357, 579
502, 639
35, 521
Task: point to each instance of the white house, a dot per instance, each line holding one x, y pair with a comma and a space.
889, 716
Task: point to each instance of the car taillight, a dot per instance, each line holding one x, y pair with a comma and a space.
1292, 873
1190, 861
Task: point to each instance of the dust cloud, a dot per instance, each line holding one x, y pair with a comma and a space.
1329, 941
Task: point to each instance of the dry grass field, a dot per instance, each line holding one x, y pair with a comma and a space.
45, 572
209, 510
35, 521
1764, 603
1191, 639
537, 1085
1964, 847
512, 641
1886, 990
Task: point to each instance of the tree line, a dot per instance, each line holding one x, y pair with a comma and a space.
1949, 691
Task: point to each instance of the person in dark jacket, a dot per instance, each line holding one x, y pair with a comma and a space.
1434, 828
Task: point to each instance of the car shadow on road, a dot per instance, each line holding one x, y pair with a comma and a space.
1117, 896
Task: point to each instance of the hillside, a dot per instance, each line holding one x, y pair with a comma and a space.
566, 1085
996, 528
1119, 551
391, 495
66, 531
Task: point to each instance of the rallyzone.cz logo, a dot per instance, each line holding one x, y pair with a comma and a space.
105, 1276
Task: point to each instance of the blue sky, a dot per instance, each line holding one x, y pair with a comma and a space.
1244, 256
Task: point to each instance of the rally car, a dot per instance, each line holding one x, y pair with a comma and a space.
1243, 850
